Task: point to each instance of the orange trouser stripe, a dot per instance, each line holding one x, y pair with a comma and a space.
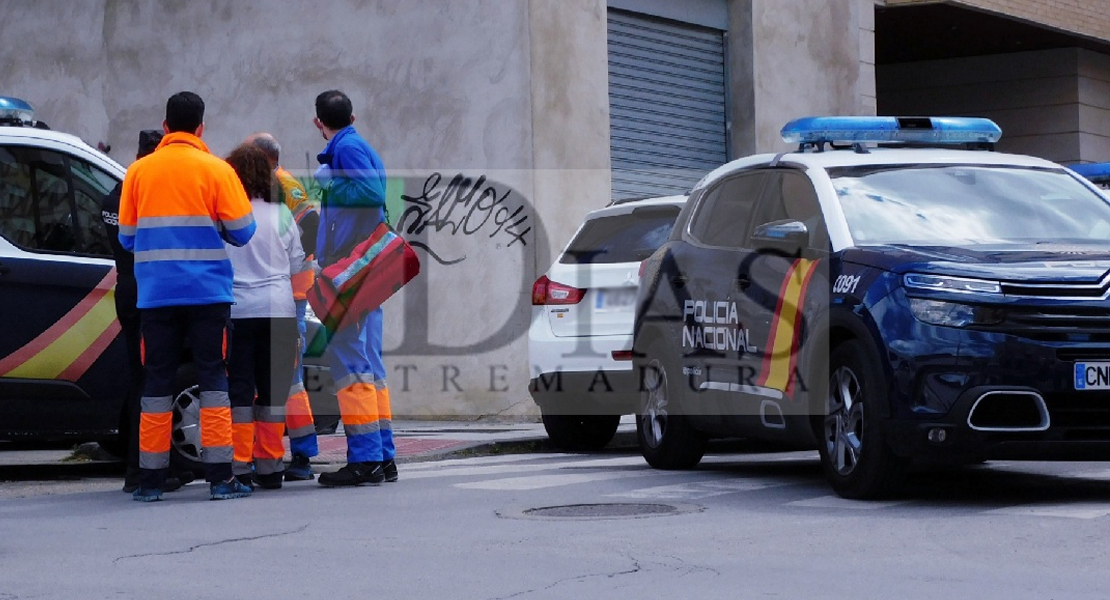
268, 440
298, 411
384, 411
155, 430
215, 427
358, 404
243, 434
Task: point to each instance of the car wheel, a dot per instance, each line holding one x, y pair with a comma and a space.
581, 432
858, 462
185, 447
666, 437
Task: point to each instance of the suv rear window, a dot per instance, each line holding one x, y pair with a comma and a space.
629, 237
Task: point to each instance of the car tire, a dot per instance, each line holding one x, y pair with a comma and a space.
581, 432
666, 437
857, 460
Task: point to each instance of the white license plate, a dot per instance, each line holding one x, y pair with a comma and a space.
615, 299
1092, 376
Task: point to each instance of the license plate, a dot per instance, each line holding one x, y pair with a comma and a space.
615, 299
1092, 376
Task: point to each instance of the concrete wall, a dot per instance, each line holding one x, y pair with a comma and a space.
789, 59
1042, 100
508, 95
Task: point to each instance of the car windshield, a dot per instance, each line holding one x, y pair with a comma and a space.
961, 205
629, 237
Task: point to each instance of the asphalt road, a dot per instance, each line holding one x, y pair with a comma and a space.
551, 526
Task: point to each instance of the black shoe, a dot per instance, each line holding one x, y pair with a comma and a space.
300, 469
131, 481
247, 480
269, 481
177, 481
389, 467
354, 474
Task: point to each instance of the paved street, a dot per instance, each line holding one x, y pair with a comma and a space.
748, 525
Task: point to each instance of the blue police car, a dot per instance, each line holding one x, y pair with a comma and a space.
893, 292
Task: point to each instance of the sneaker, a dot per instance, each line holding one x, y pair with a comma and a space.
269, 481
389, 467
131, 481
227, 490
299, 469
146, 495
354, 474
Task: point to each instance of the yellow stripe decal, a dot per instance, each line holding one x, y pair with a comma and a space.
52, 360
784, 325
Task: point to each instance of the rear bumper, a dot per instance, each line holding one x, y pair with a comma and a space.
600, 392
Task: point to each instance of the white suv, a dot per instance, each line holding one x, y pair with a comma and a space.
580, 341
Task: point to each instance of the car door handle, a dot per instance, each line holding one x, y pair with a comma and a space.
679, 281
742, 282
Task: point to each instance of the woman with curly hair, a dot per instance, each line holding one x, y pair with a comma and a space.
264, 324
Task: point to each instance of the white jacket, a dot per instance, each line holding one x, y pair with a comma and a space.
264, 265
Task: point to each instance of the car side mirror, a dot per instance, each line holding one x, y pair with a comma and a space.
787, 237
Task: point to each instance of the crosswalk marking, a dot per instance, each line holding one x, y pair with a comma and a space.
697, 490
1078, 510
499, 469
536, 482
838, 502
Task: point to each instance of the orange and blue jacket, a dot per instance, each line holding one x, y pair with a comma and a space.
177, 208
296, 199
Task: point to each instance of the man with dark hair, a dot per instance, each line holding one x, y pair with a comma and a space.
177, 208
298, 411
352, 177
126, 296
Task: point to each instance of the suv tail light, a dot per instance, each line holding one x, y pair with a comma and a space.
547, 292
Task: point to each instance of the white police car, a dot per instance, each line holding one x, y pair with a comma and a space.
580, 339
885, 302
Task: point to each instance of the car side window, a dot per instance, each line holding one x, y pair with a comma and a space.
724, 213
51, 202
789, 195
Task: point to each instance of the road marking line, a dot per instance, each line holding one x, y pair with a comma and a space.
698, 489
838, 502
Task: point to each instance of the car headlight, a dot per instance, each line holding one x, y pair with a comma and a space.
944, 283
953, 314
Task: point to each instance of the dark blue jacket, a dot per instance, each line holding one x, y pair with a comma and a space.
353, 197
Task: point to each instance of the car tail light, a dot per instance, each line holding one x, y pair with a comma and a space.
622, 354
546, 292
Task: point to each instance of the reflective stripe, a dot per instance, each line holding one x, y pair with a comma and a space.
191, 221
242, 414
385, 423
218, 454
157, 404
297, 432
362, 429
269, 414
296, 388
180, 254
154, 460
239, 223
214, 399
354, 378
127, 229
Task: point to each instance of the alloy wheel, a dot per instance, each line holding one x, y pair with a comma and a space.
844, 423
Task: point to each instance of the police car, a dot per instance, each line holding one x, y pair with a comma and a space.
63, 365
893, 292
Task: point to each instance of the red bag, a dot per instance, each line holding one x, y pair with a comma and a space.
364, 279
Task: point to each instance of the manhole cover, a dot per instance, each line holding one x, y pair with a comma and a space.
611, 510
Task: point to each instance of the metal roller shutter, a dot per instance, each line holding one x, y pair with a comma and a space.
666, 104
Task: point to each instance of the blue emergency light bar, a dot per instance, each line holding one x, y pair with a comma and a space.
16, 110
935, 130
1095, 172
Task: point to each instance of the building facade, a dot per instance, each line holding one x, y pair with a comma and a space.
502, 122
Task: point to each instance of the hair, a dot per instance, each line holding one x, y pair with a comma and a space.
148, 141
333, 108
184, 112
253, 168
267, 144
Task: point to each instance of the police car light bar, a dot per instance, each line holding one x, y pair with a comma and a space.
937, 130
14, 110
1095, 172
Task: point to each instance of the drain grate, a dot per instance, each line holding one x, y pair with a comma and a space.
610, 510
